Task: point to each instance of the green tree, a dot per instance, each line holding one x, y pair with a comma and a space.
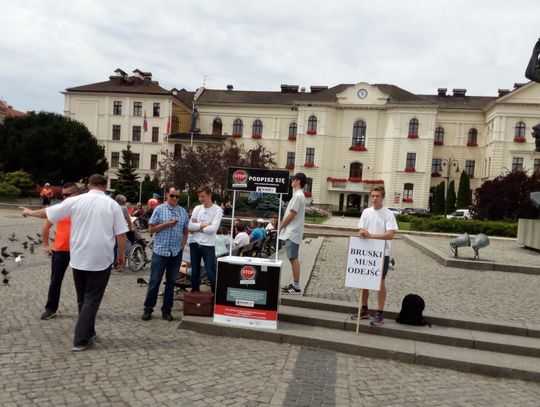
437, 206
21, 180
9, 191
464, 192
451, 198
149, 186
207, 165
50, 147
128, 181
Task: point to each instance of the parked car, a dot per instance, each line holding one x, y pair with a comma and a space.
416, 212
395, 211
460, 214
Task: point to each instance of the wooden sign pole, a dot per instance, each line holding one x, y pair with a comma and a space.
359, 310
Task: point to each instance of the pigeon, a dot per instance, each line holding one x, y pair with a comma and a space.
30, 238
18, 259
3, 252
15, 253
31, 248
1, 260
12, 237
24, 245
5, 281
38, 235
4, 272
141, 281
39, 241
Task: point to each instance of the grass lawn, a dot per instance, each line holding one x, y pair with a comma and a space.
315, 219
404, 225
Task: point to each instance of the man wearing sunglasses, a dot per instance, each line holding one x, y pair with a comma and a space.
59, 253
169, 222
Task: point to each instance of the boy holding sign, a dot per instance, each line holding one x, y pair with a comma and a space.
377, 222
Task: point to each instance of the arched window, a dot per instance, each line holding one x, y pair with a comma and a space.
293, 128
312, 125
439, 136
472, 137
413, 128
519, 130
237, 128
355, 170
359, 133
217, 127
257, 128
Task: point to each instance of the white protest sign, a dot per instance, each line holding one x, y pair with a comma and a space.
365, 262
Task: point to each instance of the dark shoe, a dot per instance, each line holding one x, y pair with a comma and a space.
82, 348
146, 316
363, 315
377, 320
291, 289
167, 316
48, 314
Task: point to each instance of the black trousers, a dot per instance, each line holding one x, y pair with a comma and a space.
90, 287
59, 265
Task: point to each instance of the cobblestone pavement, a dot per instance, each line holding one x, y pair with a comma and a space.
486, 295
136, 363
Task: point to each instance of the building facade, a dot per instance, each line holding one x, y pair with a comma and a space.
345, 138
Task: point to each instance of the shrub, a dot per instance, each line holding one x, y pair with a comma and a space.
440, 224
314, 212
8, 190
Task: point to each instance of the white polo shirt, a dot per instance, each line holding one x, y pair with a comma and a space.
96, 220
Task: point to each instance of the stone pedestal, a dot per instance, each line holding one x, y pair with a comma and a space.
528, 233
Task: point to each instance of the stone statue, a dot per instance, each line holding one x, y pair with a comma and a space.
533, 69
536, 135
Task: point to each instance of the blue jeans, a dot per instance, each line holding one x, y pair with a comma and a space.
208, 254
90, 287
59, 264
162, 265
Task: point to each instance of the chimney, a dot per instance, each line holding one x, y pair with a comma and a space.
459, 92
230, 87
441, 91
317, 89
518, 85
303, 89
503, 92
147, 76
289, 88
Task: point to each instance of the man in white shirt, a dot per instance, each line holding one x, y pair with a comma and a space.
377, 222
203, 225
241, 238
292, 230
97, 223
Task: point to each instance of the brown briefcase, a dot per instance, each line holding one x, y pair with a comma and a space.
200, 304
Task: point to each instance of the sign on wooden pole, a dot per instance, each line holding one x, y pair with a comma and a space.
365, 261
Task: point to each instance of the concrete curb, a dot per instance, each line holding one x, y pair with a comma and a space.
365, 344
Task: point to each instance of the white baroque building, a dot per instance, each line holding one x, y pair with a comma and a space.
345, 138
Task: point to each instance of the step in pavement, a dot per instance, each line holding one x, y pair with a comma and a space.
488, 348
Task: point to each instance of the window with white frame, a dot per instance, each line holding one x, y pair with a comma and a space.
359, 133
408, 191
136, 160
155, 134
116, 132
137, 108
153, 161
517, 163
469, 168
310, 155
115, 159
136, 133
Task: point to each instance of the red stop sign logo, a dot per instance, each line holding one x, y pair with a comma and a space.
247, 272
240, 176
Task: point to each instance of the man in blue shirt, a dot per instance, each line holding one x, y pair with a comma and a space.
169, 222
257, 232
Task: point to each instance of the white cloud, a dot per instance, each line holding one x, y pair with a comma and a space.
417, 44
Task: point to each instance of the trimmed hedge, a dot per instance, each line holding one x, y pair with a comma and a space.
440, 224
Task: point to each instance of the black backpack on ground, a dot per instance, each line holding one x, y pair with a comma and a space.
412, 308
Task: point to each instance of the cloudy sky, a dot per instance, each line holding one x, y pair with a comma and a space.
419, 45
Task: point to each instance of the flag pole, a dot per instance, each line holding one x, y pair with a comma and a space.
141, 161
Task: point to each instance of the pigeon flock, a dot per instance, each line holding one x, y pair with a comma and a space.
16, 256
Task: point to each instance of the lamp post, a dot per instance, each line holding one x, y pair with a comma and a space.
449, 163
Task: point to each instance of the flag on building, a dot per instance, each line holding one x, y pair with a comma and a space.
169, 125
145, 123
193, 120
